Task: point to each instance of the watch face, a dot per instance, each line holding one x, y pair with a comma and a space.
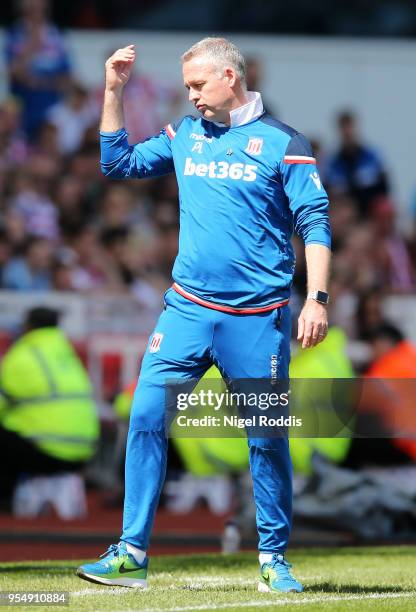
322, 297
319, 296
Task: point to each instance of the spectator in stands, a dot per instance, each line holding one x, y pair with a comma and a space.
69, 197
118, 207
387, 405
32, 199
94, 269
115, 243
47, 143
63, 270
37, 62
84, 166
393, 355
48, 420
369, 314
32, 270
13, 146
392, 252
356, 169
344, 218
357, 258
14, 225
72, 116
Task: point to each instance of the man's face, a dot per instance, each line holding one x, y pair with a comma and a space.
209, 88
39, 256
348, 132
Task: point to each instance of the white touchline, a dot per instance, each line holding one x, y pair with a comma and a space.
100, 591
278, 602
197, 582
248, 604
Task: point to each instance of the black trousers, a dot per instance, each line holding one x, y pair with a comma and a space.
19, 458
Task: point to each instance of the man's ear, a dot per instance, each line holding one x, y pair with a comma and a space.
231, 76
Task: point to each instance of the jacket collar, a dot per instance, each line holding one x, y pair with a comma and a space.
246, 113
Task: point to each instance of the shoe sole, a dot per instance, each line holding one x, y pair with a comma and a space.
132, 583
264, 588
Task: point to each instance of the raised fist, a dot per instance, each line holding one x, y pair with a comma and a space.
118, 67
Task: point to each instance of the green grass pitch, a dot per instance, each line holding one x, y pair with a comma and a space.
376, 578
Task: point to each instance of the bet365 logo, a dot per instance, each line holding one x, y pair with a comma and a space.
221, 170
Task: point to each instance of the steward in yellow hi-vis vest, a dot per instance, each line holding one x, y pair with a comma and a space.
48, 419
327, 360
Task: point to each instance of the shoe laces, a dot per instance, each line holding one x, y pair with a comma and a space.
113, 549
282, 567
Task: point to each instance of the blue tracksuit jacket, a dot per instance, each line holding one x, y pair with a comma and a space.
242, 191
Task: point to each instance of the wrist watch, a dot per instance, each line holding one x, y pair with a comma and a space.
319, 296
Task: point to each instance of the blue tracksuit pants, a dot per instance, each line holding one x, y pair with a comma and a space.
242, 346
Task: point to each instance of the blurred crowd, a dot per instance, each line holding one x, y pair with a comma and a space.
63, 226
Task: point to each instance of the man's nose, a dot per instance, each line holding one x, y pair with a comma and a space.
193, 95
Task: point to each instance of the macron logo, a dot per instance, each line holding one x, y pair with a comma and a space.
221, 170
315, 177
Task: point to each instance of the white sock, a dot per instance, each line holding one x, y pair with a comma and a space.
265, 558
139, 555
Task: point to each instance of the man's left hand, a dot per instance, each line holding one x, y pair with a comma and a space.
312, 324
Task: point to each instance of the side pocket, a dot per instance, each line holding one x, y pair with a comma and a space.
165, 303
278, 317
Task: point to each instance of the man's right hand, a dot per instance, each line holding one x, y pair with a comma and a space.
118, 68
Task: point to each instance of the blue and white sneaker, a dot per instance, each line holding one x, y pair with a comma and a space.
117, 568
276, 577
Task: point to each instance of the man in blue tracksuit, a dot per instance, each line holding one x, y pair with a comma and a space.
245, 182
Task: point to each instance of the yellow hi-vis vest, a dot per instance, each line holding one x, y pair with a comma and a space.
326, 360
46, 396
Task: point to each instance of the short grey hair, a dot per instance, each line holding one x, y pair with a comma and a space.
221, 52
